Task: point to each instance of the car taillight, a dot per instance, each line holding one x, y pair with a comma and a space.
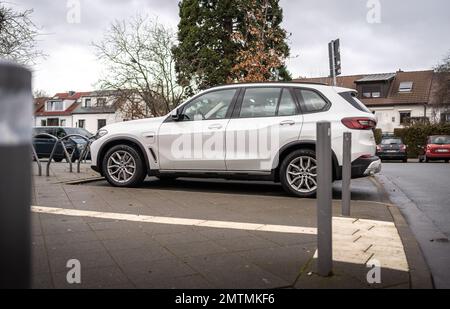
358, 123
378, 148
428, 148
402, 147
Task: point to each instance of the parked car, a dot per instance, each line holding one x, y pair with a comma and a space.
392, 148
44, 144
263, 131
437, 148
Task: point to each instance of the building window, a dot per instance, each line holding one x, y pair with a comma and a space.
81, 123
370, 92
53, 122
43, 122
53, 106
101, 102
62, 122
405, 87
405, 117
445, 117
101, 123
87, 103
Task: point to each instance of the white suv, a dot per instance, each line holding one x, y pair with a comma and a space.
264, 131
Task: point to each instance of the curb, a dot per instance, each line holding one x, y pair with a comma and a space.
420, 275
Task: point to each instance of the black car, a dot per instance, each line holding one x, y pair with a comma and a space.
392, 148
44, 144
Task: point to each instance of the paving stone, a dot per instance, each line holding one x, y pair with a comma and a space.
128, 256
94, 278
195, 248
231, 271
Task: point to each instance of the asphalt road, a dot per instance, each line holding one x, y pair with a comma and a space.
424, 199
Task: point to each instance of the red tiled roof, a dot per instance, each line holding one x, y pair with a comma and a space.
420, 94
62, 96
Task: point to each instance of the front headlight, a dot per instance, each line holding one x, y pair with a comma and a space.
100, 133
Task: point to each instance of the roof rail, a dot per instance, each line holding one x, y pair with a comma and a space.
275, 82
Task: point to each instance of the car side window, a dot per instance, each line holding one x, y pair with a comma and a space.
310, 101
213, 105
287, 104
260, 102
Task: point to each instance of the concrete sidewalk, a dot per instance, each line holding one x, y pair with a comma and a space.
176, 238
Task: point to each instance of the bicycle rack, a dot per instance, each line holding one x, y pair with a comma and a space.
38, 162
84, 152
83, 155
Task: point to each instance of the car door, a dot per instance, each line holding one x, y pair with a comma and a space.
197, 140
43, 144
265, 119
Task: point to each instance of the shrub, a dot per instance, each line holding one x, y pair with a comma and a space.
378, 135
415, 136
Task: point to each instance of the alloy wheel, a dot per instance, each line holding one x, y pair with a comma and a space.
302, 174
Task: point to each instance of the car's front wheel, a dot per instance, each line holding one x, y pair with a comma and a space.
123, 167
298, 173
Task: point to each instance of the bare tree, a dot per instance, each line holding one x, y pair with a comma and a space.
18, 36
40, 93
138, 57
440, 91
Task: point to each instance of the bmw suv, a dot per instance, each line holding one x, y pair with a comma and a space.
263, 131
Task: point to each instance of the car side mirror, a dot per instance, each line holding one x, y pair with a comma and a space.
175, 115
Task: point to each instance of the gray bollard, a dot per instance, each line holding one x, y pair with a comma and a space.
15, 177
324, 199
346, 173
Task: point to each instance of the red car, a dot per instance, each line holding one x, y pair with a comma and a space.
437, 148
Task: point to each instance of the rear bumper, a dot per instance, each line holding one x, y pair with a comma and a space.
438, 156
392, 155
363, 167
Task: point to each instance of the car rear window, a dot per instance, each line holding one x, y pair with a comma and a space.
391, 141
351, 97
440, 140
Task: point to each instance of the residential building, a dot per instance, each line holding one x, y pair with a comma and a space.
399, 98
88, 110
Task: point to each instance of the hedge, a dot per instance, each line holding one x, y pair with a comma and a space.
415, 136
378, 135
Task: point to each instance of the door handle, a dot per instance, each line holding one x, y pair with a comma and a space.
287, 123
215, 127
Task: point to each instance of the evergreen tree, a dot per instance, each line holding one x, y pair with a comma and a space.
214, 35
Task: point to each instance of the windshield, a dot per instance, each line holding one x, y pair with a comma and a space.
391, 141
79, 131
440, 140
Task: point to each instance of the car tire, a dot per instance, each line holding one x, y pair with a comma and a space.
405, 160
446, 161
427, 160
303, 162
58, 160
123, 166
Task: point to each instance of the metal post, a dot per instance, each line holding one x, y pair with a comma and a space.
324, 197
15, 177
333, 64
346, 173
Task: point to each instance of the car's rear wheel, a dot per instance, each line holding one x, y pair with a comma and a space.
57, 159
123, 167
298, 173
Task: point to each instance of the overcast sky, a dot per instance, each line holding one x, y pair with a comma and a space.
407, 35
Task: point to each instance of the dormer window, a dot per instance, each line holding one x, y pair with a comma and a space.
370, 92
405, 87
87, 103
54, 106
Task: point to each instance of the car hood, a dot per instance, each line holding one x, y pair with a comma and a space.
132, 126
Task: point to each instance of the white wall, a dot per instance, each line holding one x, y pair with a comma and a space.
68, 119
389, 117
91, 120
